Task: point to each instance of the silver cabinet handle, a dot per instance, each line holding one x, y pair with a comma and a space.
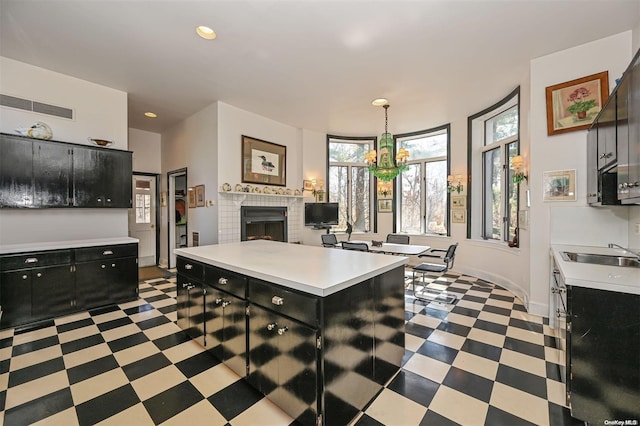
282, 330
218, 301
108, 200
99, 200
24, 277
113, 265
107, 253
223, 281
272, 326
277, 300
39, 274
185, 285
188, 266
31, 260
103, 266
226, 303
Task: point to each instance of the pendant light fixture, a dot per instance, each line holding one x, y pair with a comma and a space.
388, 167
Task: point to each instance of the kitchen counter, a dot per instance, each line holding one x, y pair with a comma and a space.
57, 245
316, 270
602, 277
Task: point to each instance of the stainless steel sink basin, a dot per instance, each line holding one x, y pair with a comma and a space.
601, 259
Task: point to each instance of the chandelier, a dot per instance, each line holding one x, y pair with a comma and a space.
386, 169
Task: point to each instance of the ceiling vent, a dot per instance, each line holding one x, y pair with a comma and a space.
35, 106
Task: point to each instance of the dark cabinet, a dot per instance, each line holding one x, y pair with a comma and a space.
42, 285
603, 363
35, 286
283, 359
629, 179
101, 178
606, 128
41, 174
190, 298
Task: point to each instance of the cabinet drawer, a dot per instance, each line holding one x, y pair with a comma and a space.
228, 281
190, 268
296, 305
106, 252
34, 259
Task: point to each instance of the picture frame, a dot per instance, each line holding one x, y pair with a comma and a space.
458, 216
559, 185
200, 196
192, 197
458, 201
263, 162
307, 185
573, 105
385, 206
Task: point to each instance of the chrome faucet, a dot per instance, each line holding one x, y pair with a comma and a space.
612, 245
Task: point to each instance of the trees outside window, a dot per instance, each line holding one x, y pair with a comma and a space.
350, 182
422, 189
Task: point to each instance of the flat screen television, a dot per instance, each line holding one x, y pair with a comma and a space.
320, 215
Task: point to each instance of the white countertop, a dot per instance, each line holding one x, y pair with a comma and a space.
56, 245
602, 277
316, 270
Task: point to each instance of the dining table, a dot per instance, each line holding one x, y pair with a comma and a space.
394, 248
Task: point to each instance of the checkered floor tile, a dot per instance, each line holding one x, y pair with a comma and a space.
478, 360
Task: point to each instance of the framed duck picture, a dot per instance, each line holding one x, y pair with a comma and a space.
263, 162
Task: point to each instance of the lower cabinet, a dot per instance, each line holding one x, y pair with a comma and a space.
603, 362
190, 307
283, 360
43, 285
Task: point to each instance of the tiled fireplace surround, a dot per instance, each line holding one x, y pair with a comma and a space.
229, 221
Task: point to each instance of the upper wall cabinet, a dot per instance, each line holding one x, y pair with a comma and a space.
40, 174
629, 145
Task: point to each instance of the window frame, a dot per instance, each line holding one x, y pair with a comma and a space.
397, 201
350, 165
477, 148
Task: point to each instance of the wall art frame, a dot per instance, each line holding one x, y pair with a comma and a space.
200, 200
559, 185
573, 105
458, 216
192, 197
263, 162
385, 205
459, 201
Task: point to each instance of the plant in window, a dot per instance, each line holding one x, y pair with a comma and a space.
580, 104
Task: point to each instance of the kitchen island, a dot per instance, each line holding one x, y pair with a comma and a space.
319, 331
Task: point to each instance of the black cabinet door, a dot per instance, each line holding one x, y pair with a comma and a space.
214, 320
51, 174
15, 298
283, 363
92, 284
16, 172
123, 279
190, 307
622, 137
607, 134
52, 291
101, 178
633, 178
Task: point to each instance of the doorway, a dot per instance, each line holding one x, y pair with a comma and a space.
178, 213
144, 217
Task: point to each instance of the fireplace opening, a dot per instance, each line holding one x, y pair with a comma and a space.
263, 223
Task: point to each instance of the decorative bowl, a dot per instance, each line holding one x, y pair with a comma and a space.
100, 142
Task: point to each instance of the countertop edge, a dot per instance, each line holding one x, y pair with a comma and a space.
599, 277
57, 245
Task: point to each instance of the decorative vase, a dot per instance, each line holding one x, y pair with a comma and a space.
582, 115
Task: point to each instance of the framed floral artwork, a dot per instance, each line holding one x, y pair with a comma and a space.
574, 105
559, 185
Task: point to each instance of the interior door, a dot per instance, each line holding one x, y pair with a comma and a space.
142, 218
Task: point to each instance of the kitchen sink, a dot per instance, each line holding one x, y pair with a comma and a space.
601, 259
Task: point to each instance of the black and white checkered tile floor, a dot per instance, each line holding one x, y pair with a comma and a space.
480, 360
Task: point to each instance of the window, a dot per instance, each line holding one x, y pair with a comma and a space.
143, 201
350, 182
494, 141
422, 199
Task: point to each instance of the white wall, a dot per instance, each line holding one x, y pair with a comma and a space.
147, 150
100, 112
192, 143
564, 151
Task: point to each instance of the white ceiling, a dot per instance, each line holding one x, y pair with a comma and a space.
314, 64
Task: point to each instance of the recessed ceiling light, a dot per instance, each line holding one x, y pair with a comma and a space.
151, 114
206, 32
379, 102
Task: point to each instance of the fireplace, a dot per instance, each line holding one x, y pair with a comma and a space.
263, 223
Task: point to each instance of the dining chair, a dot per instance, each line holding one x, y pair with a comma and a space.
350, 245
329, 240
447, 258
398, 238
